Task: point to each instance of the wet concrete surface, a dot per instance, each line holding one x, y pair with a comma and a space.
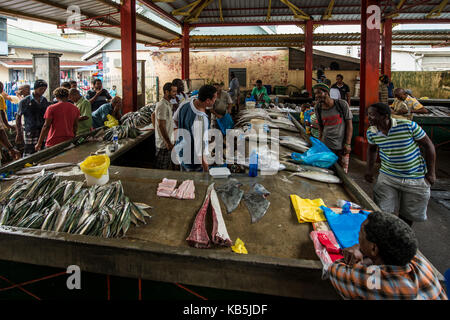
433, 235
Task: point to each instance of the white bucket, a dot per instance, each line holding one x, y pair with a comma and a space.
94, 181
250, 104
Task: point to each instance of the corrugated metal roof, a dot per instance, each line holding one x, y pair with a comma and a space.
55, 11
20, 38
256, 10
402, 37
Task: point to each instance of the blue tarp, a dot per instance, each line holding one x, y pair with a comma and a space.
345, 226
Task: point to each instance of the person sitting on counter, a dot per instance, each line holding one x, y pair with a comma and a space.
404, 105
260, 92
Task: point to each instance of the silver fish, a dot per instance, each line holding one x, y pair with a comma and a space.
49, 166
318, 176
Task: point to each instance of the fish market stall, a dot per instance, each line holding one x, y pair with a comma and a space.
168, 246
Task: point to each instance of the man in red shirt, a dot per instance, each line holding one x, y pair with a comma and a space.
61, 120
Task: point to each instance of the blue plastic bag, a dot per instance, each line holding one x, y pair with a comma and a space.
345, 226
225, 123
318, 155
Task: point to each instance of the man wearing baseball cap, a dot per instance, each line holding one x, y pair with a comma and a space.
335, 123
32, 108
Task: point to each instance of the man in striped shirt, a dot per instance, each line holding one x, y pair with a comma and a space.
385, 264
404, 176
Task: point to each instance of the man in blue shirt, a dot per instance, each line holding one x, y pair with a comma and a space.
114, 108
32, 108
193, 119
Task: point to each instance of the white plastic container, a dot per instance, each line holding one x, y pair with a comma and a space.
250, 104
94, 181
220, 173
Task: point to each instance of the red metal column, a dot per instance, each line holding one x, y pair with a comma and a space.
308, 56
128, 45
185, 53
370, 64
386, 48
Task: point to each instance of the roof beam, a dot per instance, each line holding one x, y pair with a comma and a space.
437, 10
111, 23
268, 10
298, 13
319, 22
329, 12
160, 11
220, 12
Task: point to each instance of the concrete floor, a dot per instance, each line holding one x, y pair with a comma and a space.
433, 234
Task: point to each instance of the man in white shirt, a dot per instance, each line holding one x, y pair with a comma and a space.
164, 139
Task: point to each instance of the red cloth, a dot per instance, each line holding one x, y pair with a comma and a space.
63, 115
327, 240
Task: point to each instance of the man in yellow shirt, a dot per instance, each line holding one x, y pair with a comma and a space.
3, 109
404, 105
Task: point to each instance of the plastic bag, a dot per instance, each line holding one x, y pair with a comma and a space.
111, 122
318, 155
308, 210
95, 166
239, 247
345, 226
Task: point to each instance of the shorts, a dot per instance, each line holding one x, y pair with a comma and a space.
411, 194
163, 159
30, 138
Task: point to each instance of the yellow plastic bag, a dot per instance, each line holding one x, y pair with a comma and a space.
308, 210
239, 247
95, 166
111, 122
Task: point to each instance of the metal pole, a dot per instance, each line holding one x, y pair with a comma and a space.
370, 63
308, 56
185, 53
128, 43
386, 48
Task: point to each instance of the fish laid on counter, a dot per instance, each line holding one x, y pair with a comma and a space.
294, 143
186, 190
139, 118
49, 166
167, 189
318, 176
49, 204
198, 237
295, 167
123, 131
256, 203
231, 194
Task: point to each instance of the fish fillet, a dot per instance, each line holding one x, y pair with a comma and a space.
219, 233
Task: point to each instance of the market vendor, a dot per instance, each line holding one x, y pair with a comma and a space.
164, 137
181, 97
335, 123
404, 105
3, 109
405, 177
260, 92
98, 96
32, 108
113, 108
193, 119
85, 120
385, 264
61, 121
223, 100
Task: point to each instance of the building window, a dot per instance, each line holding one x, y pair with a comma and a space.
349, 51
359, 52
241, 75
